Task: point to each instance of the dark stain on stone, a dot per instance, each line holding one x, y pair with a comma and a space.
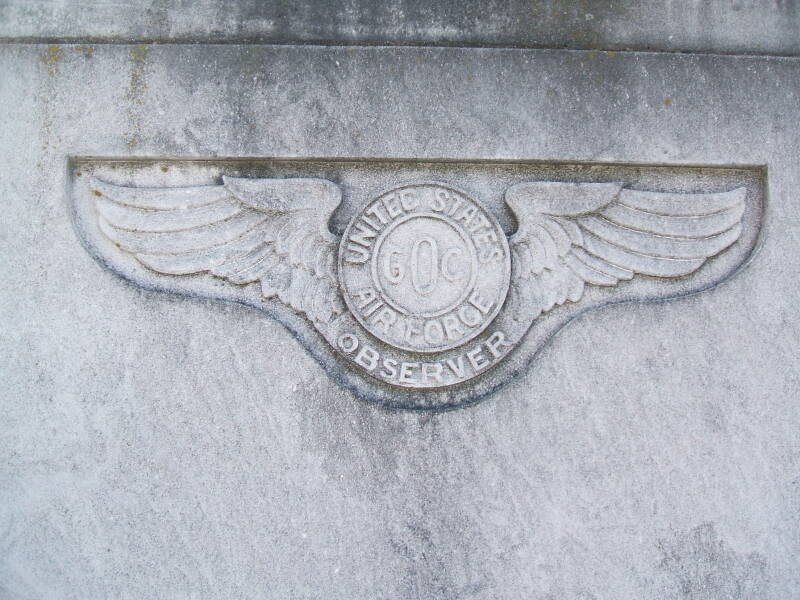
704, 567
135, 94
87, 50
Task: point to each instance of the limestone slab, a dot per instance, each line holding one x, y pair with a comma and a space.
161, 446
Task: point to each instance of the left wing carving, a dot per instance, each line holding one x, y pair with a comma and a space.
574, 234
271, 231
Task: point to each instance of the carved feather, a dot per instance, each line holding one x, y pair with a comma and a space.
572, 234
270, 231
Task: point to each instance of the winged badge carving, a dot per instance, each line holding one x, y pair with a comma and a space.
572, 235
272, 232
424, 290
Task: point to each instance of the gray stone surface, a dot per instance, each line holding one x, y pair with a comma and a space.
154, 446
723, 26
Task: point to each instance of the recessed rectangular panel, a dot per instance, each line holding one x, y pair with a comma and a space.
418, 284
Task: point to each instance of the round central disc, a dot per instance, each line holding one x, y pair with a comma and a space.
424, 267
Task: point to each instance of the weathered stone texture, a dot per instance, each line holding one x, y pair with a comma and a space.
744, 26
153, 446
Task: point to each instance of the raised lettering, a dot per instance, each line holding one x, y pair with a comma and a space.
407, 371
478, 223
482, 304
371, 223
392, 205
363, 235
433, 332
456, 367
367, 357
359, 255
469, 322
389, 368
347, 342
365, 296
492, 255
373, 210
408, 199
452, 327
386, 317
393, 268
486, 238
456, 203
432, 371
421, 286
476, 359
371, 309
440, 198
447, 271
412, 330
467, 214
495, 341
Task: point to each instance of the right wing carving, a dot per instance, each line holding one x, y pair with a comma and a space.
574, 234
271, 231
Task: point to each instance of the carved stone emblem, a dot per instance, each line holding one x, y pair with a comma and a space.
424, 291
424, 268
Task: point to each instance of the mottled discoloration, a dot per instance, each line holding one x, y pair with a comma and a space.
51, 58
170, 447
135, 94
666, 25
704, 567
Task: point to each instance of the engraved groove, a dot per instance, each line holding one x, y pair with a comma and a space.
639, 263
676, 205
661, 246
602, 266
536, 253
589, 274
241, 263
550, 251
523, 265
560, 238
137, 219
161, 198
203, 260
274, 236
572, 230
183, 241
689, 226
257, 268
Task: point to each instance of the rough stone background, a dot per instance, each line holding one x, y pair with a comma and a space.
727, 26
153, 446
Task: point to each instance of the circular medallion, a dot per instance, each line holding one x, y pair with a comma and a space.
424, 267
